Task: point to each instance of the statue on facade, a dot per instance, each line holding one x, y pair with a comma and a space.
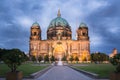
59, 34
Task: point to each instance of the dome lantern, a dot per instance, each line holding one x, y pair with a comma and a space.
58, 15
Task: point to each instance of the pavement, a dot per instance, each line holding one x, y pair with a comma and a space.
63, 73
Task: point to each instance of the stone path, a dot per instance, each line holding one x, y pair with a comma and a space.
63, 73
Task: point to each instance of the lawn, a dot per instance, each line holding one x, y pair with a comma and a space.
103, 70
27, 69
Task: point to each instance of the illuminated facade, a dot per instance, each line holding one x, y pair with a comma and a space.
59, 41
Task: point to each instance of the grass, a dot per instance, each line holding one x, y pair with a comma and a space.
103, 70
27, 69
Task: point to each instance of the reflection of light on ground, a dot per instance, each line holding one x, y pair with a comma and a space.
60, 63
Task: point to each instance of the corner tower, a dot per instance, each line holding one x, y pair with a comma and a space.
83, 39
35, 32
35, 37
82, 32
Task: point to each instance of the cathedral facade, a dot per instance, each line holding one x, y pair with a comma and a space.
59, 41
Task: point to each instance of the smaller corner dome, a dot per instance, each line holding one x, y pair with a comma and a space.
82, 25
35, 24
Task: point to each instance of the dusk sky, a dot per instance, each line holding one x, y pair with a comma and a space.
101, 16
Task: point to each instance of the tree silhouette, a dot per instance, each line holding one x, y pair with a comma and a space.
116, 61
64, 58
33, 58
13, 58
71, 58
99, 57
46, 58
40, 58
52, 59
76, 59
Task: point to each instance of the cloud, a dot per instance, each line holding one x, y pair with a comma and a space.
23, 21
101, 17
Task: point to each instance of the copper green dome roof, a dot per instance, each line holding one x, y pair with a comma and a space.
58, 21
82, 25
35, 24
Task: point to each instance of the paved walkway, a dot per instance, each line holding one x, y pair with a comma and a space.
63, 73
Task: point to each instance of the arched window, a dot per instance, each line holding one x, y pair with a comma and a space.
63, 33
84, 34
59, 23
35, 33
54, 33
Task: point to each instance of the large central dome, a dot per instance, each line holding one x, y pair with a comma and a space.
59, 29
58, 21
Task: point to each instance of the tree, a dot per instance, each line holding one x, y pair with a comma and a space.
3, 52
33, 58
64, 58
93, 57
52, 59
46, 58
99, 57
116, 61
71, 58
40, 58
76, 59
26, 57
13, 58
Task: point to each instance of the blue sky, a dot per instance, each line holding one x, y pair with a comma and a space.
101, 16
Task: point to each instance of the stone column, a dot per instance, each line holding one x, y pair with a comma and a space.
50, 49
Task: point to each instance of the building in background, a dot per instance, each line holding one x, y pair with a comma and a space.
59, 41
114, 52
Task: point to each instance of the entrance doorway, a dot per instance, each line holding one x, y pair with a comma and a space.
59, 51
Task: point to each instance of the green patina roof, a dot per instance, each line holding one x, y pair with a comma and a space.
82, 25
58, 21
35, 24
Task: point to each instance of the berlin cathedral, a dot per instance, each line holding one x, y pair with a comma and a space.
59, 40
